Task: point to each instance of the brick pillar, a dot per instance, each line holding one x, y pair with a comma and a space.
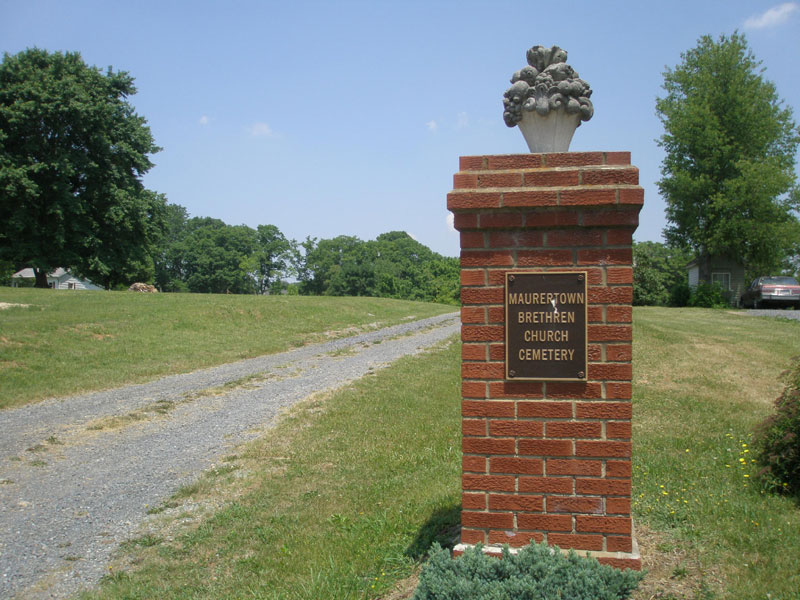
548, 460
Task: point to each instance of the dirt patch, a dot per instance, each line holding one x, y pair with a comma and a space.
5, 305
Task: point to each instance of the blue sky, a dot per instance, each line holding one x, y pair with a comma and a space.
329, 118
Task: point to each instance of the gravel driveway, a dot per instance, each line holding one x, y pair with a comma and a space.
773, 312
73, 485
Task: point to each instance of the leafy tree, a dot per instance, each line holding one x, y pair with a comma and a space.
271, 260
72, 154
169, 253
728, 174
657, 269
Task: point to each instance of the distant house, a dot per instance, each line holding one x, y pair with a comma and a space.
60, 279
725, 271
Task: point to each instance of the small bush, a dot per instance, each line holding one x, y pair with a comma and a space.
777, 439
707, 295
537, 572
680, 294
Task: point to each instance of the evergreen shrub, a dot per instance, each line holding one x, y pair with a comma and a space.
536, 572
707, 295
777, 439
680, 294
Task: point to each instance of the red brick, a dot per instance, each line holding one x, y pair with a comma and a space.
487, 446
473, 389
607, 256
587, 197
544, 522
622, 294
546, 485
558, 466
470, 536
619, 314
603, 487
473, 427
486, 519
516, 389
618, 506
500, 220
618, 158
609, 218
580, 429
593, 352
550, 177
603, 410
609, 333
503, 179
497, 352
573, 159
473, 277
515, 161
619, 468
493, 258
619, 543
472, 239
618, 430
619, 352
634, 564
564, 218
465, 221
619, 237
611, 371
610, 176
472, 200
619, 391
516, 239
604, 449
470, 314
488, 408
491, 483
471, 163
473, 352
574, 389
572, 504
576, 237
497, 314
631, 196
550, 410
594, 314
514, 539
516, 465
465, 180
544, 258
473, 464
482, 333
483, 370
545, 447
484, 295
473, 501
621, 525
516, 502
577, 542
516, 428
530, 198
619, 275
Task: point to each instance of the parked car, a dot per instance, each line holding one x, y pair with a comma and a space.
775, 291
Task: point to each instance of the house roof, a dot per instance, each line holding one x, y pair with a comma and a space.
28, 273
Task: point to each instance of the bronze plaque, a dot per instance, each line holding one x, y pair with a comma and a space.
546, 325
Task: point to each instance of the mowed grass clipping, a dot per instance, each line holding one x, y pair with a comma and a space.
340, 501
67, 342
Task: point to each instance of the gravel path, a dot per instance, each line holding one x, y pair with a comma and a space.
774, 312
73, 485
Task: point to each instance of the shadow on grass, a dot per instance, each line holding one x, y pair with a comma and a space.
443, 526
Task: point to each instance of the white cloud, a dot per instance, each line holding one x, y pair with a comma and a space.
777, 15
204, 120
261, 130
463, 121
432, 125
451, 222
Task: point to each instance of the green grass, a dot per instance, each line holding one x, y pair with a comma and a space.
348, 492
70, 342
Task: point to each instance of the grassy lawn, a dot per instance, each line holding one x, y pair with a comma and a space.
342, 498
69, 342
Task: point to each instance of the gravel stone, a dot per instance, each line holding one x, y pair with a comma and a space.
774, 312
71, 493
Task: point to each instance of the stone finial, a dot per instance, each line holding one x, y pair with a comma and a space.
546, 86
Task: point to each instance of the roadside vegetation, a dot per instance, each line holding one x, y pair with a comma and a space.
61, 343
343, 498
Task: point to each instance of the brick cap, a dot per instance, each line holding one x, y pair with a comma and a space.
632, 560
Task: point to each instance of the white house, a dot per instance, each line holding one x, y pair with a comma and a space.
60, 279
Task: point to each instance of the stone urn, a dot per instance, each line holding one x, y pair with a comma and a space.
547, 100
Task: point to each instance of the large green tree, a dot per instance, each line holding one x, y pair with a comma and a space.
72, 154
657, 269
728, 175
